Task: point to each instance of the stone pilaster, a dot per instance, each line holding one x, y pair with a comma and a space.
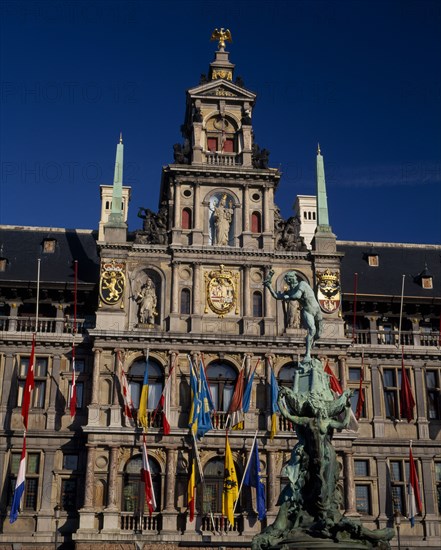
272, 479
6, 389
421, 418
54, 385
198, 218
115, 408
111, 514
87, 514
342, 374
94, 407
44, 518
350, 504
376, 400
382, 491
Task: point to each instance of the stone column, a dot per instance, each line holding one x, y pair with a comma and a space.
348, 462
246, 209
377, 386
373, 328
266, 225
94, 407
198, 216
44, 519
416, 331
271, 482
174, 306
111, 514
115, 409
54, 385
177, 216
432, 527
13, 313
170, 477
382, 491
174, 394
422, 421
269, 305
87, 514
246, 291
196, 305
342, 372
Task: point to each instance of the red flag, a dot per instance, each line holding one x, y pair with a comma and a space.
192, 489
146, 477
360, 400
407, 402
73, 388
235, 410
333, 380
129, 408
29, 386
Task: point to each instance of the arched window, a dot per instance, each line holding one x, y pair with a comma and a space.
286, 375
133, 494
256, 225
257, 304
135, 378
186, 218
221, 380
185, 302
214, 472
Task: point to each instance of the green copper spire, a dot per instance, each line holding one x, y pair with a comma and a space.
116, 216
322, 199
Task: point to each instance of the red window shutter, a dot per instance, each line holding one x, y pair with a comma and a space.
212, 144
255, 222
186, 218
229, 146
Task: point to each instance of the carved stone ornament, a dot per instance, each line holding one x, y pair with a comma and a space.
222, 73
221, 291
328, 290
112, 282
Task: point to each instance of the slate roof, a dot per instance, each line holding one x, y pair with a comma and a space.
23, 246
395, 260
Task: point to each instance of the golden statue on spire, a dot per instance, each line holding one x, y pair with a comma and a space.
221, 35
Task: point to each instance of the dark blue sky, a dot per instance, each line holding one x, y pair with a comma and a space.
361, 77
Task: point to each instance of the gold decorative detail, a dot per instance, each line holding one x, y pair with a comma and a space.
221, 291
112, 282
225, 74
328, 290
222, 36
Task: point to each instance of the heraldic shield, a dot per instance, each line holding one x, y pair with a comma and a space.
221, 291
112, 282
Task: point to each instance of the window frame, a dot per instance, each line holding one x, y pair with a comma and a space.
38, 395
32, 478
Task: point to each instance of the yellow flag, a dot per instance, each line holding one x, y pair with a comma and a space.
231, 488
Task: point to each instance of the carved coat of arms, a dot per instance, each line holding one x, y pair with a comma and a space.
221, 291
112, 282
328, 290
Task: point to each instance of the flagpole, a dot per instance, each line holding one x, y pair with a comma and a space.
38, 294
401, 312
245, 471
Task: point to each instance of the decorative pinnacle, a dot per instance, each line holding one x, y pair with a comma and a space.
318, 149
222, 36
120, 137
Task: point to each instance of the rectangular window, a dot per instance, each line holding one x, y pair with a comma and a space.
229, 145
68, 494
80, 391
392, 384
70, 462
80, 365
363, 487
399, 473
40, 374
354, 385
361, 468
29, 501
433, 394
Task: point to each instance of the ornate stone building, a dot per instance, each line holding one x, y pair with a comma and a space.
189, 284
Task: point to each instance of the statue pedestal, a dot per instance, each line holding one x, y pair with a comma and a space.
320, 544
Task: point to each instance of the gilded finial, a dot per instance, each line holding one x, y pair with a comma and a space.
120, 137
222, 36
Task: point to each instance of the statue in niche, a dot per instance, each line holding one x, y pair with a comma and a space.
311, 313
309, 514
197, 115
222, 218
287, 233
147, 302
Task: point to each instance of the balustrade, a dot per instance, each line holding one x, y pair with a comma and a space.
219, 524
137, 522
46, 325
223, 159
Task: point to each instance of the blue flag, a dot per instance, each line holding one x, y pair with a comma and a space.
252, 479
206, 406
274, 405
247, 393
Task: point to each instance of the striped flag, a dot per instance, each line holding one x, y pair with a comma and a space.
129, 408
19, 485
164, 403
235, 410
414, 504
143, 401
29, 386
274, 405
73, 388
195, 403
146, 477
